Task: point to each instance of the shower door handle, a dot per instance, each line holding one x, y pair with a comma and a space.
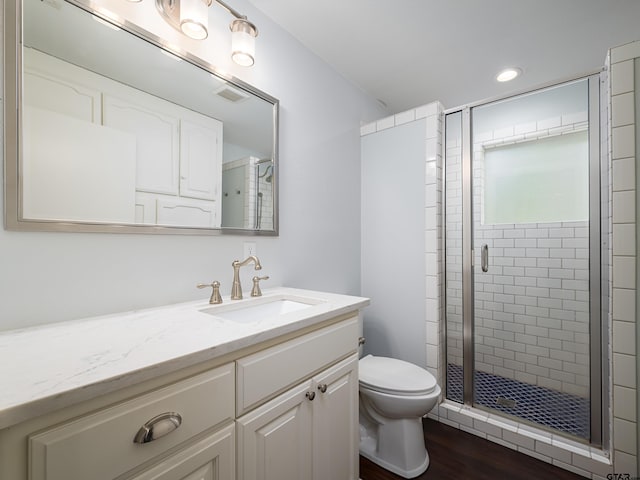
484, 258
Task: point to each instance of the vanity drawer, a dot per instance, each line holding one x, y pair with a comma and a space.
101, 445
265, 373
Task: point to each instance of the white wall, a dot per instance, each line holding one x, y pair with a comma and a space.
393, 241
48, 277
401, 211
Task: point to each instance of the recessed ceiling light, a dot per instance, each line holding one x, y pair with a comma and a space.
508, 74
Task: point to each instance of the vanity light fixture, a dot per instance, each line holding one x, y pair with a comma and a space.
508, 74
243, 42
191, 18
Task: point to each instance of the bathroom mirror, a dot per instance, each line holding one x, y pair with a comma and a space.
108, 129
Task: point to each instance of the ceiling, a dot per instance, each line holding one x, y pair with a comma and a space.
407, 53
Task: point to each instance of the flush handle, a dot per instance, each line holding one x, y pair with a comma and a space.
158, 427
484, 258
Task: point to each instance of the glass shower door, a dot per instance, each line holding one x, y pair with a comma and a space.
522, 195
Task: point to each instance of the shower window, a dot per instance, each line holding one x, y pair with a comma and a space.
542, 180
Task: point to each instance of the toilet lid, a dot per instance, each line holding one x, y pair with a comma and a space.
390, 375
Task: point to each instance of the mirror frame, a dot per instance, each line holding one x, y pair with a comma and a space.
13, 219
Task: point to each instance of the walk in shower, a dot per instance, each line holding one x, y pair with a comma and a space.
523, 258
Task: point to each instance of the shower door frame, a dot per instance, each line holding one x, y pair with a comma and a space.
598, 283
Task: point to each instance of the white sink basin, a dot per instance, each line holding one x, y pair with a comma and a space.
261, 309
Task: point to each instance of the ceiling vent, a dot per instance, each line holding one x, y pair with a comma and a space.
231, 94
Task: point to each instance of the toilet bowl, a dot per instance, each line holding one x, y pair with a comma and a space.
394, 396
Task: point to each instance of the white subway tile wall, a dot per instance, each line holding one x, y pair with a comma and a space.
532, 306
623, 274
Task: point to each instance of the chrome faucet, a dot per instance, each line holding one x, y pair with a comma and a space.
236, 287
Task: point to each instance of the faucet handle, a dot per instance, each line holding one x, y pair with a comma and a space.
215, 294
255, 291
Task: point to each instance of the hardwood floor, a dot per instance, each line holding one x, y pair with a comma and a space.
460, 455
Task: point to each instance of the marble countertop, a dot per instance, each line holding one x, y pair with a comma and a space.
49, 367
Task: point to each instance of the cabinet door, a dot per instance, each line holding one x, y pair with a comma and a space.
185, 212
200, 158
274, 441
212, 458
157, 138
48, 85
335, 422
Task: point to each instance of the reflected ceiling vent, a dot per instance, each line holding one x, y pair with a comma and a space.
231, 94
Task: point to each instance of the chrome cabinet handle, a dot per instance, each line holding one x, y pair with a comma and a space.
158, 427
484, 258
361, 341
322, 387
311, 395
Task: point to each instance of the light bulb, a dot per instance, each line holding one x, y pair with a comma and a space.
194, 19
243, 42
508, 74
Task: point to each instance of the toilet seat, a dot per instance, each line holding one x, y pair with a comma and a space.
393, 376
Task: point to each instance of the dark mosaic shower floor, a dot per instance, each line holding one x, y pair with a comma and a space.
561, 411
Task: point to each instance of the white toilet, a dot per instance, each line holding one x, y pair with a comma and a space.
394, 396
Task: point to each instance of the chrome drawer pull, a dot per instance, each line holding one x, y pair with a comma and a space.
322, 387
158, 427
311, 395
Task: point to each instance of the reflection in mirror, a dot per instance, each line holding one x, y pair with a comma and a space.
118, 131
247, 194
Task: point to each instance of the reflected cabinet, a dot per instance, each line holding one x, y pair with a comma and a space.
98, 140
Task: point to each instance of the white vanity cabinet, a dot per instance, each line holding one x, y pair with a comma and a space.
309, 431
101, 446
273, 407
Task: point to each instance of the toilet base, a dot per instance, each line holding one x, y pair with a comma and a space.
402, 450
371, 455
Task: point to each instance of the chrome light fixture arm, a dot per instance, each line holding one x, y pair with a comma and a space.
229, 9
